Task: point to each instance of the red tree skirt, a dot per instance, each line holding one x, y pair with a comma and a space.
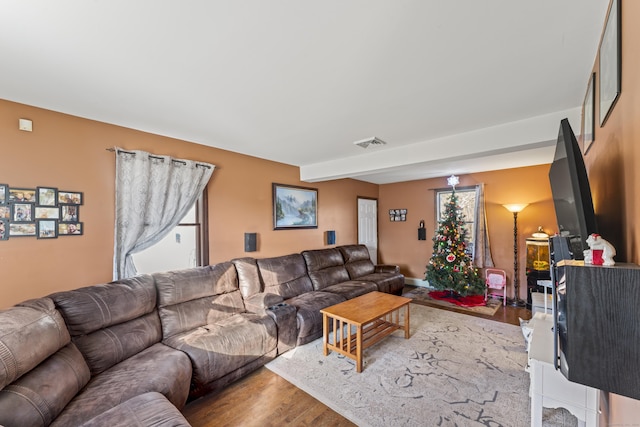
468, 301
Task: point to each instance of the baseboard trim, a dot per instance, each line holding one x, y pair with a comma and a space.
416, 282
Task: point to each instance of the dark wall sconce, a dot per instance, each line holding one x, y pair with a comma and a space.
422, 232
331, 237
250, 242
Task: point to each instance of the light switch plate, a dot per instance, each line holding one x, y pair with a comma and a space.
26, 125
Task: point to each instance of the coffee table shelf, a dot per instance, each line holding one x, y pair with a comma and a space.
362, 322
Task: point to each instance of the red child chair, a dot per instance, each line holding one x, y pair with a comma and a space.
496, 280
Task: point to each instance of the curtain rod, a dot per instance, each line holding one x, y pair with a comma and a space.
151, 156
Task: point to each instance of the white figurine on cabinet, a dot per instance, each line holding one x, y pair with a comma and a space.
600, 251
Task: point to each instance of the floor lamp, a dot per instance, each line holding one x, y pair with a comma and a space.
515, 209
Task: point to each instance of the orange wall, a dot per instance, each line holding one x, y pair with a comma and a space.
69, 153
612, 163
399, 240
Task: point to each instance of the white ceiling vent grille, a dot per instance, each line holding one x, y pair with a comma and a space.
364, 143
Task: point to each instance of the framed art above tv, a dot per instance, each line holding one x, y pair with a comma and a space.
610, 61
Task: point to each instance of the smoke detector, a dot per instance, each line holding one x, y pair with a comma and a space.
364, 143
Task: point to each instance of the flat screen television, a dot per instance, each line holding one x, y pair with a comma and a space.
571, 192
576, 220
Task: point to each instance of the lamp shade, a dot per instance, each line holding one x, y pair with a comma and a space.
516, 207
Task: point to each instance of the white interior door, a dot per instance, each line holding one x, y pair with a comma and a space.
368, 226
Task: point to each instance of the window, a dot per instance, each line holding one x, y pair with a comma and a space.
186, 246
468, 202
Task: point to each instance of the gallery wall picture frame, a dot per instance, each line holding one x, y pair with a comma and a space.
5, 212
22, 229
294, 207
4, 194
44, 212
70, 228
588, 119
47, 196
397, 215
70, 197
22, 212
69, 213
46, 229
17, 194
610, 53
4, 229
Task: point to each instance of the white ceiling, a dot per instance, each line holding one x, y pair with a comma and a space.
452, 86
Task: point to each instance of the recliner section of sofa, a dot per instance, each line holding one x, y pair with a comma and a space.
117, 329
288, 277
203, 315
41, 370
328, 273
358, 264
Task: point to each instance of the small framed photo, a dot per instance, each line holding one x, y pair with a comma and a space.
4, 191
47, 229
22, 229
70, 229
69, 198
47, 213
22, 212
17, 195
69, 213
47, 196
5, 212
4, 229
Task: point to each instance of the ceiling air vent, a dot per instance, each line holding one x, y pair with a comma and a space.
364, 143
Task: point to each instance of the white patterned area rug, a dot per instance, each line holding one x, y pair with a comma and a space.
455, 370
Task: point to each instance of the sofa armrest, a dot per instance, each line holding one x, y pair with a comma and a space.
258, 303
384, 268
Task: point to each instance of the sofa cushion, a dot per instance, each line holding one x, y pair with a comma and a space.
158, 368
113, 321
193, 283
326, 267
38, 396
357, 260
149, 409
189, 299
308, 306
106, 347
285, 275
352, 288
95, 307
249, 279
219, 348
33, 321
391, 283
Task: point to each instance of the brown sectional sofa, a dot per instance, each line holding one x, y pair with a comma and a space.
95, 356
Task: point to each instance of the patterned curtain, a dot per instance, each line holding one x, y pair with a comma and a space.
482, 250
153, 193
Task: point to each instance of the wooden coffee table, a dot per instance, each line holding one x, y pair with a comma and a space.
361, 322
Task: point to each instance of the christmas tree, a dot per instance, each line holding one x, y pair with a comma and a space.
450, 266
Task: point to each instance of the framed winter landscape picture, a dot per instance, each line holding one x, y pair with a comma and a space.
294, 207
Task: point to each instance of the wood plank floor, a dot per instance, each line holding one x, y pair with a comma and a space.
265, 399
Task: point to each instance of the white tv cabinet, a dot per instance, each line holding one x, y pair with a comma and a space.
549, 388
